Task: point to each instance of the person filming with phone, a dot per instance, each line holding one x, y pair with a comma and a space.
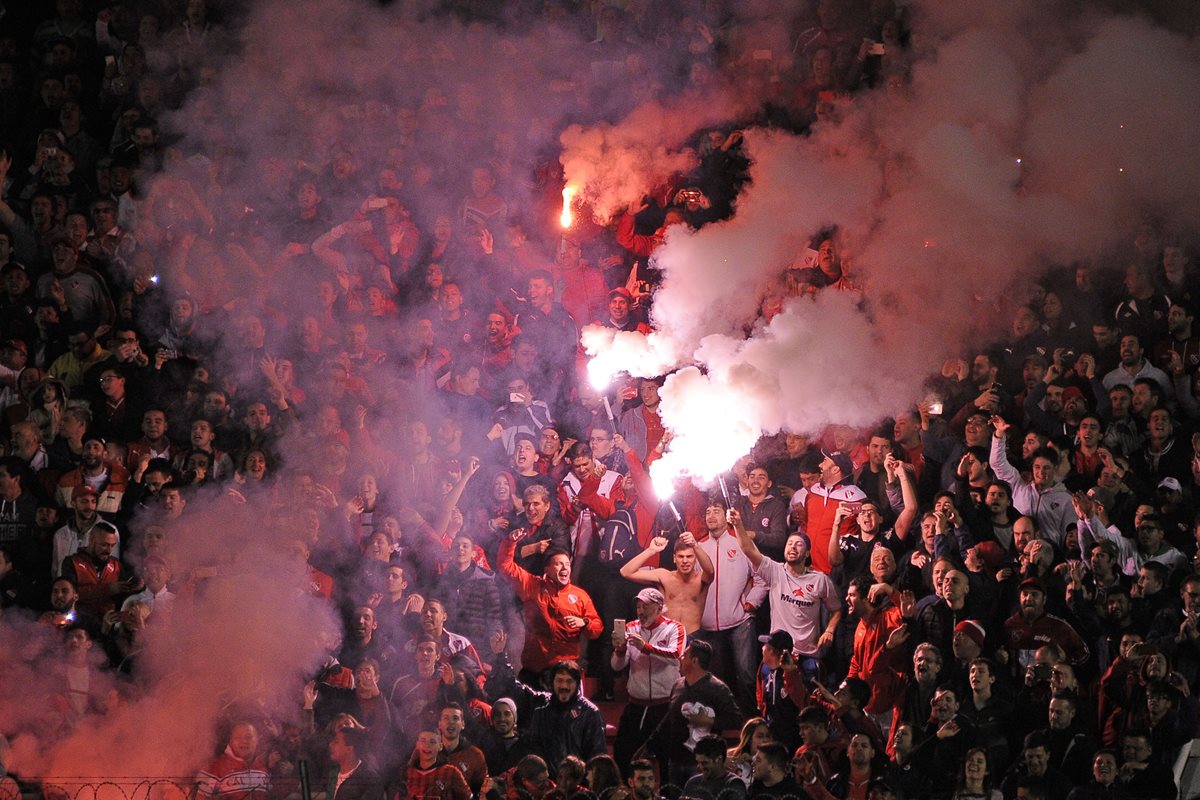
651, 647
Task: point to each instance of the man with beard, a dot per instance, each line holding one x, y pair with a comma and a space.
99, 576
642, 780
503, 746
65, 611
363, 642
803, 602
1134, 365
26, 444
833, 493
557, 612
77, 531
651, 646
562, 722
1031, 627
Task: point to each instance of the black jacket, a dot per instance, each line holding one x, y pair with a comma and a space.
555, 730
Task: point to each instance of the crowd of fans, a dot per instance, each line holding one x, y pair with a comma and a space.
993, 594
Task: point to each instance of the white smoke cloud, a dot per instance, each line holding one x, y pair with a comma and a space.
1003, 155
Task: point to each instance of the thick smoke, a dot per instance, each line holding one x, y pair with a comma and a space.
362, 101
240, 643
1002, 156
923, 180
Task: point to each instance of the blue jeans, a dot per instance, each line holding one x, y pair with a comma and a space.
735, 660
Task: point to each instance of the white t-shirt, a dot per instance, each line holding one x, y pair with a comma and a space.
797, 602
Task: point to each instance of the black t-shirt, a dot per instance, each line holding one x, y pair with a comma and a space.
856, 555
786, 788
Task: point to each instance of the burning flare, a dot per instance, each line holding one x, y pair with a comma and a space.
567, 217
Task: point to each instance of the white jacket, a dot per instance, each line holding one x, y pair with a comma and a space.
652, 672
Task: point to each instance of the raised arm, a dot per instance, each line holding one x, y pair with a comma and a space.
908, 490
836, 559
451, 501
999, 458
708, 572
633, 571
744, 538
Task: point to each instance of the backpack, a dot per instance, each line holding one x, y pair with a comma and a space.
618, 539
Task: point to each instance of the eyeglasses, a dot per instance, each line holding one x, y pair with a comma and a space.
108, 378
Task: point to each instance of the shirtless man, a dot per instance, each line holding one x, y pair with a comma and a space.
685, 587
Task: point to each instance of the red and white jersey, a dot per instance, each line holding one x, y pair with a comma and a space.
734, 583
652, 672
584, 524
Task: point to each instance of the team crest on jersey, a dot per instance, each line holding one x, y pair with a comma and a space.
766, 523
798, 592
731, 553
572, 598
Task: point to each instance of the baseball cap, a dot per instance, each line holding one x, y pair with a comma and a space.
85, 490
621, 291
651, 595
842, 460
1170, 483
1072, 393
781, 640
1032, 583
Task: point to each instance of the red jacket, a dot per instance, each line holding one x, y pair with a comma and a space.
110, 496
93, 581
820, 507
548, 640
868, 659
